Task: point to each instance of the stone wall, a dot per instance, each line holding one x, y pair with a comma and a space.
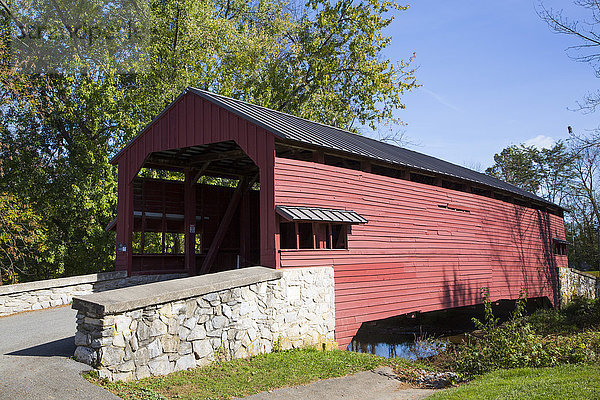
56, 292
226, 315
576, 283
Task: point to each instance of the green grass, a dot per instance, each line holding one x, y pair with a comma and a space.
557, 383
236, 378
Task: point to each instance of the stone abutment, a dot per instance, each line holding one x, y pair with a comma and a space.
163, 327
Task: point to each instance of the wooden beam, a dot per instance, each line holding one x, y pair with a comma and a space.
243, 185
245, 228
200, 172
318, 156
224, 155
189, 219
163, 161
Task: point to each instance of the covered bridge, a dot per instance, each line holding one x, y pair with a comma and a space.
404, 232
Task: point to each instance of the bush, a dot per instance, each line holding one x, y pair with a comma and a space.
578, 315
515, 344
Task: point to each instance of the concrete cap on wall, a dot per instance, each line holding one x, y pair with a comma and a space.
61, 282
136, 297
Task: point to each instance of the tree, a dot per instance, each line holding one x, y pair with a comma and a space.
321, 61
587, 35
546, 172
583, 220
21, 240
517, 165
59, 125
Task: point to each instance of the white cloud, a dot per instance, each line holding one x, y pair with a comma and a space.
540, 142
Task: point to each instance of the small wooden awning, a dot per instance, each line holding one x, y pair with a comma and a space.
561, 241
317, 214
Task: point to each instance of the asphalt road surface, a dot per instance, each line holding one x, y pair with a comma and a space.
34, 358
35, 364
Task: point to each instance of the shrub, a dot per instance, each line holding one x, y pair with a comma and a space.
515, 344
579, 314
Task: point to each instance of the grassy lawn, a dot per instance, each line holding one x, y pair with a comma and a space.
557, 383
225, 380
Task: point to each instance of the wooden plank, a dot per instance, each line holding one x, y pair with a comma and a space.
413, 254
242, 187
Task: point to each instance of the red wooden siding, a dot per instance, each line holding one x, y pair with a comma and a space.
188, 122
414, 255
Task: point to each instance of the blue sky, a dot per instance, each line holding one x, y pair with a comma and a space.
493, 74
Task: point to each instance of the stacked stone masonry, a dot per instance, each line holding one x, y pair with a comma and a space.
57, 292
575, 283
294, 310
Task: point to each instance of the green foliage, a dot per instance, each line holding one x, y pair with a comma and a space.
580, 314
510, 345
243, 377
58, 127
56, 159
546, 172
515, 344
21, 240
516, 165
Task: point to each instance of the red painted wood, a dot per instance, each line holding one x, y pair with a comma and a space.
413, 255
190, 220
194, 121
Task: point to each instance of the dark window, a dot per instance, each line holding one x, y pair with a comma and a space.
287, 235
521, 203
420, 178
385, 171
305, 233
560, 249
320, 234
453, 185
339, 236
341, 162
501, 197
481, 192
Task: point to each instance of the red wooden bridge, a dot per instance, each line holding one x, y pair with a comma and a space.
404, 232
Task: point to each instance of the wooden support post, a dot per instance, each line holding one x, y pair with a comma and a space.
189, 219
318, 156
297, 235
243, 185
245, 233
200, 172
365, 166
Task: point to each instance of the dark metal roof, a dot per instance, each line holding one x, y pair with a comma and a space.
293, 213
561, 241
290, 128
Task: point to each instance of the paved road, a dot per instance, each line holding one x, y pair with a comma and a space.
34, 364
34, 358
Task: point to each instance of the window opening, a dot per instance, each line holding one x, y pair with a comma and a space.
287, 235
339, 236
420, 178
305, 235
